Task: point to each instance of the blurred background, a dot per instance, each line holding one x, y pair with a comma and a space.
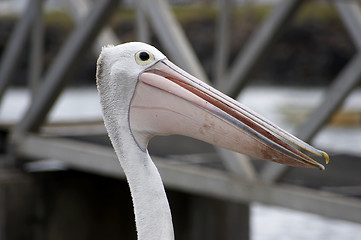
297, 63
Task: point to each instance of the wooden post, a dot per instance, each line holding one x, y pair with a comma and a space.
196, 217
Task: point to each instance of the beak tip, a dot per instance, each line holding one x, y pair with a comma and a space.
321, 167
327, 158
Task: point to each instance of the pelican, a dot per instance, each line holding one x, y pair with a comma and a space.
143, 94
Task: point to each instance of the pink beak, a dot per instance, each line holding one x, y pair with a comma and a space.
168, 100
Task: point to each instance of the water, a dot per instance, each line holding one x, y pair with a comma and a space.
274, 223
83, 105
272, 102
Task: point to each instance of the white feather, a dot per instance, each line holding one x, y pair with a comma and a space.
117, 75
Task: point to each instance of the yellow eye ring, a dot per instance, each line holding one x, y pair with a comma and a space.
144, 57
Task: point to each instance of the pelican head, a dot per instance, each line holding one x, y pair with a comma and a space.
143, 94
155, 97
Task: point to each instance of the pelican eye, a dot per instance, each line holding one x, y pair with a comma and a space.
144, 57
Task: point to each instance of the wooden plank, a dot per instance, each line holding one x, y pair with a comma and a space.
194, 179
2, 212
14, 203
10, 177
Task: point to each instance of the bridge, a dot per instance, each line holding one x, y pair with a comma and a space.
215, 186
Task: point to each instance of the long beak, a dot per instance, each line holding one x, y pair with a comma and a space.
168, 100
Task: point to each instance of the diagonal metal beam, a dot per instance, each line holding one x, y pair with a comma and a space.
257, 46
239, 164
172, 37
36, 50
56, 77
79, 10
142, 25
14, 47
350, 13
342, 86
222, 43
